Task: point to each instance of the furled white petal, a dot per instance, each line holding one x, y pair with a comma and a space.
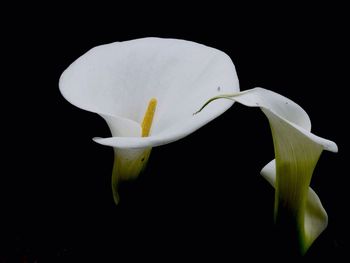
297, 151
280, 105
119, 79
284, 109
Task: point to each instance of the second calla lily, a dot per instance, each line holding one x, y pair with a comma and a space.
147, 90
298, 210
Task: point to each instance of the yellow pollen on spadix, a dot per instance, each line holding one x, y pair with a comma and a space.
148, 118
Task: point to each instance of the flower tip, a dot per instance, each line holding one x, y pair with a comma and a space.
332, 147
195, 113
100, 140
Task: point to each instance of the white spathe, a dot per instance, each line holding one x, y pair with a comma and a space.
297, 151
118, 80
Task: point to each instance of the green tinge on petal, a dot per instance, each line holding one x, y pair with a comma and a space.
298, 210
315, 217
296, 157
128, 164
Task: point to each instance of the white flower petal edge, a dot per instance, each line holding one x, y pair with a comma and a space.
297, 151
118, 80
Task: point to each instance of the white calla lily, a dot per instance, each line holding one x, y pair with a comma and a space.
297, 151
147, 90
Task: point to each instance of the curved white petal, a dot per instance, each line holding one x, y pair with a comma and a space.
119, 79
297, 151
280, 105
173, 133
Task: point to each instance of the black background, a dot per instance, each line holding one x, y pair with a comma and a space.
199, 198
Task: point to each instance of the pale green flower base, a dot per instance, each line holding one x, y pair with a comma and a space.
128, 164
296, 158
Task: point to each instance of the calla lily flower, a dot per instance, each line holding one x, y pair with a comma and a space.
147, 90
297, 151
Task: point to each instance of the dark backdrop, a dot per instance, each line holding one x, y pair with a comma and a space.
199, 198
